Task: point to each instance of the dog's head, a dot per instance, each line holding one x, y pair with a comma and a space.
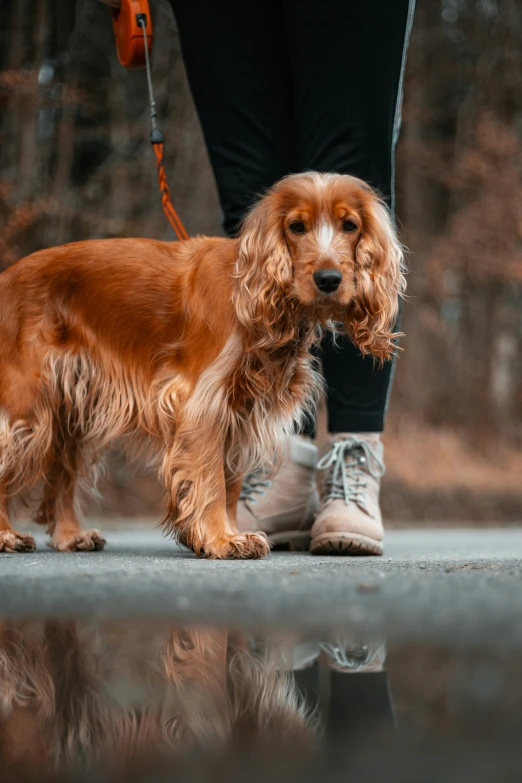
325, 244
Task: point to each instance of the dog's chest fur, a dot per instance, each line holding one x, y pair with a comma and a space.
268, 394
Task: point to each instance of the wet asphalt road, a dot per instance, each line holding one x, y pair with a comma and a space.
457, 586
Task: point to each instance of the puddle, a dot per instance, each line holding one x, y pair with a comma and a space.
152, 701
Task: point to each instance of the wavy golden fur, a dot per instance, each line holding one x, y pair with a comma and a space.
198, 352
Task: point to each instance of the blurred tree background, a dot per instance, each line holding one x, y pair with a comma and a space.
75, 163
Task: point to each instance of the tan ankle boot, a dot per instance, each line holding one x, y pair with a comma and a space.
283, 507
349, 521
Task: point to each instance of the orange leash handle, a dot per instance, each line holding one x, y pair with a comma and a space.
157, 142
130, 41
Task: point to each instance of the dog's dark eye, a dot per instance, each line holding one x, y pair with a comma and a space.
298, 227
349, 225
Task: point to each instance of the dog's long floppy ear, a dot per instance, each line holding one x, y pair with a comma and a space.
263, 274
380, 281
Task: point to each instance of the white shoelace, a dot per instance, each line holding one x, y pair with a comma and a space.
352, 656
254, 485
346, 460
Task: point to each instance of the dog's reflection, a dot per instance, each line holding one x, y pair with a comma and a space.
76, 696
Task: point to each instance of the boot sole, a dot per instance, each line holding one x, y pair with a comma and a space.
290, 541
351, 544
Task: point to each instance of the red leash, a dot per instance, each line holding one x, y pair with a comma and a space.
133, 49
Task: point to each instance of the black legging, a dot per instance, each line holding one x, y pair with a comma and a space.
282, 86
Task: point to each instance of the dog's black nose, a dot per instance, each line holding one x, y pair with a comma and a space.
328, 280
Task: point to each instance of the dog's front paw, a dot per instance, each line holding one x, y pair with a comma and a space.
242, 546
11, 541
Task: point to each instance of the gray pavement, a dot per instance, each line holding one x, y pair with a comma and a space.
458, 586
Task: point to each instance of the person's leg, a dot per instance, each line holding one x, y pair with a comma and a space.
235, 57
347, 61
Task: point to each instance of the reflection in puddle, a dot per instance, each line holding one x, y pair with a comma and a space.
149, 702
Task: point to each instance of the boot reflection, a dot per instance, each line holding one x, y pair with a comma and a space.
358, 694
344, 682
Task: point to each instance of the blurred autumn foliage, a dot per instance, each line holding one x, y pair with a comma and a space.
75, 163
461, 187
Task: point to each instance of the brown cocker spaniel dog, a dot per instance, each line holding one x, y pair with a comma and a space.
198, 352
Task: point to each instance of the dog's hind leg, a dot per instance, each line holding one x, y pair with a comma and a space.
11, 540
58, 506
